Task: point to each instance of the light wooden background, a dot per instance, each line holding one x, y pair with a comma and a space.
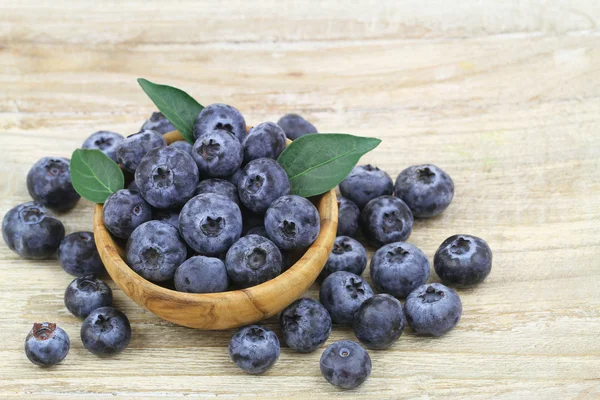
504, 95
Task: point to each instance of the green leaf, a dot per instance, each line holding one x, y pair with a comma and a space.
95, 175
317, 162
175, 104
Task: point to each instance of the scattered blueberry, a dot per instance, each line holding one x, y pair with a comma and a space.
49, 183
399, 268
348, 217
168, 215
292, 222
219, 186
426, 190
78, 255
46, 344
201, 274
264, 140
364, 183
155, 250
253, 260
261, 182
220, 116
85, 294
166, 177
379, 321
305, 325
345, 364
159, 123
123, 211
218, 154
134, 148
347, 255
210, 223
31, 231
342, 293
386, 219
105, 141
183, 146
254, 349
295, 126
463, 260
106, 331
433, 309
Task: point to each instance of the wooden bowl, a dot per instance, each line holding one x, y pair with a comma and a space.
227, 309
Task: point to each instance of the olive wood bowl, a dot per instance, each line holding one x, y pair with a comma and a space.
224, 310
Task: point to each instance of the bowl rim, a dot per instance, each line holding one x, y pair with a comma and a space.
224, 310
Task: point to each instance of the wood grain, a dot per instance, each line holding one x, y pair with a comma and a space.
504, 96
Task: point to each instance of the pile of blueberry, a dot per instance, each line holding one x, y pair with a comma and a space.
217, 215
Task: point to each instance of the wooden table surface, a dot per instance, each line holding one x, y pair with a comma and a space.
505, 96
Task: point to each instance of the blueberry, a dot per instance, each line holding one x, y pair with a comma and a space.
305, 325
201, 274
85, 294
105, 141
123, 211
235, 177
78, 255
220, 116
347, 255
106, 331
295, 126
49, 183
166, 177
399, 268
254, 349
386, 219
210, 223
345, 364
463, 260
261, 182
379, 321
258, 230
155, 250
426, 190
31, 231
292, 222
342, 293
253, 260
364, 183
159, 123
46, 344
219, 186
218, 154
134, 148
433, 309
264, 140
348, 217
168, 215
183, 146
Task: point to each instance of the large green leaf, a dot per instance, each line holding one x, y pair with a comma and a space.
95, 176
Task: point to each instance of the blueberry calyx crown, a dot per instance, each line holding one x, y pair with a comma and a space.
425, 175
291, 321
87, 283
460, 246
162, 176
341, 247
355, 287
209, 151
43, 330
397, 254
103, 323
256, 258
288, 228
151, 257
55, 167
255, 183
213, 226
344, 352
225, 127
391, 222
431, 295
371, 168
102, 143
32, 214
256, 334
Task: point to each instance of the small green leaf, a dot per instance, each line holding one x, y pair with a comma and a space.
95, 175
317, 162
175, 104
